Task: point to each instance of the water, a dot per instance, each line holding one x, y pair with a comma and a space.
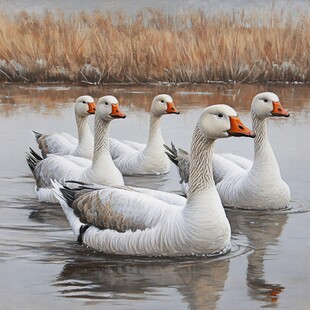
42, 266
171, 7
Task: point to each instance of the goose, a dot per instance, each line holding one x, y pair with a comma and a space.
124, 222
242, 183
63, 143
100, 170
135, 158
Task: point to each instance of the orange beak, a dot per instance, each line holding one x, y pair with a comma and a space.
91, 108
116, 112
278, 110
238, 129
171, 108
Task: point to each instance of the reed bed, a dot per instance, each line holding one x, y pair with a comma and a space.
154, 47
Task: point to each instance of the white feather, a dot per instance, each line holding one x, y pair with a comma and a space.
64, 168
101, 170
63, 143
246, 184
155, 227
136, 158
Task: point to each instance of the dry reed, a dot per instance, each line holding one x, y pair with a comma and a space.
154, 47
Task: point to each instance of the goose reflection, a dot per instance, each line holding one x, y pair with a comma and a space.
199, 281
46, 213
264, 230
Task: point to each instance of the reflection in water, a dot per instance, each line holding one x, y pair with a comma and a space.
264, 230
199, 282
185, 96
49, 214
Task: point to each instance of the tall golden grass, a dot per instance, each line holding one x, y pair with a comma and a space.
154, 47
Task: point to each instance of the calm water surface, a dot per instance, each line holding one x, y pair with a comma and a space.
41, 266
172, 6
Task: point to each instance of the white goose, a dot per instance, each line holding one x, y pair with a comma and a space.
63, 143
125, 222
240, 182
136, 158
100, 170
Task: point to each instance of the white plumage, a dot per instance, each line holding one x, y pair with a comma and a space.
62, 143
123, 221
241, 182
100, 170
135, 158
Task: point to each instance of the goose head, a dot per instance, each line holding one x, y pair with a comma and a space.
85, 105
108, 108
222, 121
163, 104
268, 105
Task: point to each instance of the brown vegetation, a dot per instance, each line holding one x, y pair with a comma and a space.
154, 47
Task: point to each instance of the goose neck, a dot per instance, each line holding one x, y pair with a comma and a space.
204, 212
84, 132
103, 169
262, 145
263, 153
101, 141
155, 138
200, 175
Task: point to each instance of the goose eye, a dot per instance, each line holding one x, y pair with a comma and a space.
162, 101
220, 115
106, 103
83, 101
265, 100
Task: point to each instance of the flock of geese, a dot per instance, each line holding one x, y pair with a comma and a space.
85, 176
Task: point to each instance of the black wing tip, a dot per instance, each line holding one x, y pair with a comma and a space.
31, 162
172, 153
37, 134
172, 158
33, 159
83, 185
35, 154
68, 194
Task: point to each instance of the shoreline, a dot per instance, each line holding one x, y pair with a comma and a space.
155, 47
153, 84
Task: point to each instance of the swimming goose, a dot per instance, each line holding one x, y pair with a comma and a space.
240, 182
64, 144
100, 170
136, 158
125, 222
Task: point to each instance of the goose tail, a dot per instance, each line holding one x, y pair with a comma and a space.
172, 153
33, 159
180, 158
65, 197
37, 135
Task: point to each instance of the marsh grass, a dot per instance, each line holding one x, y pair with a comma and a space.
154, 47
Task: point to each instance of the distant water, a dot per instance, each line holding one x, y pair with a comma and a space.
132, 6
